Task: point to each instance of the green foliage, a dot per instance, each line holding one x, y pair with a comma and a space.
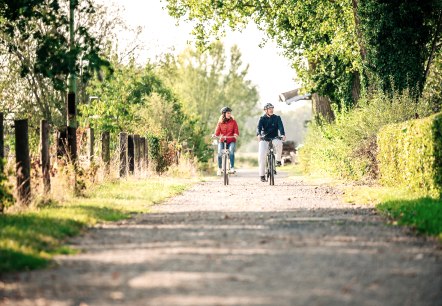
410, 155
154, 149
398, 37
136, 100
46, 24
205, 83
339, 48
347, 147
319, 36
28, 240
423, 214
6, 198
433, 86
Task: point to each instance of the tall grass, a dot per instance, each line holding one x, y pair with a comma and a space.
30, 238
347, 148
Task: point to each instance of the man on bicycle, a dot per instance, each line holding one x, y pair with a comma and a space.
227, 127
268, 126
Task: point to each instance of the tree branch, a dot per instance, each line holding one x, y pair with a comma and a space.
433, 47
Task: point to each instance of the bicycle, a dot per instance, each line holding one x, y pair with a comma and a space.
270, 160
225, 155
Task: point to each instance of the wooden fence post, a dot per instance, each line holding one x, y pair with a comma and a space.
123, 154
71, 129
105, 150
131, 153
45, 160
90, 144
23, 165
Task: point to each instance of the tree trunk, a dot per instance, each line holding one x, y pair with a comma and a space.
356, 87
433, 50
322, 108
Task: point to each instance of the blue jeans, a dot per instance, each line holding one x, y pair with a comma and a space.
231, 147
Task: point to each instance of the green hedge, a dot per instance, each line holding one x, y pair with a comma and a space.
410, 155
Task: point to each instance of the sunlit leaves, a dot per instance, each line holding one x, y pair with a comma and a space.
45, 24
310, 31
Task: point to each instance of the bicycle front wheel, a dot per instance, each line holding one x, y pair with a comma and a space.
225, 174
272, 169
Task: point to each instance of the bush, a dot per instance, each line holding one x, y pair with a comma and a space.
346, 148
162, 153
410, 155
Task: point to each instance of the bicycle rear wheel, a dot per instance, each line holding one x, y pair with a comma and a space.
272, 169
225, 174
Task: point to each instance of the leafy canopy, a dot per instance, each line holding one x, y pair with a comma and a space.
207, 81
45, 24
318, 35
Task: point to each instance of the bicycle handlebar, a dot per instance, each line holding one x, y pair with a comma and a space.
221, 137
269, 139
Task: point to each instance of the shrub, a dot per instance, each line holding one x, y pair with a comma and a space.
410, 155
346, 148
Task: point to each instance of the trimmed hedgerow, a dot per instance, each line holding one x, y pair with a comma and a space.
410, 155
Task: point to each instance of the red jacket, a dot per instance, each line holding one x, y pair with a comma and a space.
227, 129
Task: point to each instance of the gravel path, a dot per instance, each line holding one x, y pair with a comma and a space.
245, 244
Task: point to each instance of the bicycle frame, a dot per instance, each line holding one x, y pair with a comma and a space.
270, 160
270, 164
225, 158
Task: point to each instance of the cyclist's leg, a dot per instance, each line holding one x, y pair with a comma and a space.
262, 153
220, 149
232, 147
277, 144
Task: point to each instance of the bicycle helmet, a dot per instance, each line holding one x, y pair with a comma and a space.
268, 105
225, 109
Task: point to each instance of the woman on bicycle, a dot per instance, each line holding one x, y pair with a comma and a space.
227, 129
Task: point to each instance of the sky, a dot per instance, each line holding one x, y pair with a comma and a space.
269, 70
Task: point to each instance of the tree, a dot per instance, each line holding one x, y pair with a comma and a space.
318, 36
33, 83
135, 100
401, 39
206, 81
45, 25
339, 48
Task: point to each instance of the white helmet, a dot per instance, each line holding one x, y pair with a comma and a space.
268, 105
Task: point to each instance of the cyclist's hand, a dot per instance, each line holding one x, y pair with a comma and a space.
283, 138
236, 136
258, 137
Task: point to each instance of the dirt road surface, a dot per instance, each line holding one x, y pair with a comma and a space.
295, 243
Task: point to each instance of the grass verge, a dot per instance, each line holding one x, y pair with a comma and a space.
402, 207
29, 239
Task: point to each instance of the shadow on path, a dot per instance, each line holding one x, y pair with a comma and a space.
240, 258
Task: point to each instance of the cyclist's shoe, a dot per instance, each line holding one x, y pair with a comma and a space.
232, 171
263, 179
278, 163
274, 171
219, 172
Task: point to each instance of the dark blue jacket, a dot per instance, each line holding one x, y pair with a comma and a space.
269, 126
